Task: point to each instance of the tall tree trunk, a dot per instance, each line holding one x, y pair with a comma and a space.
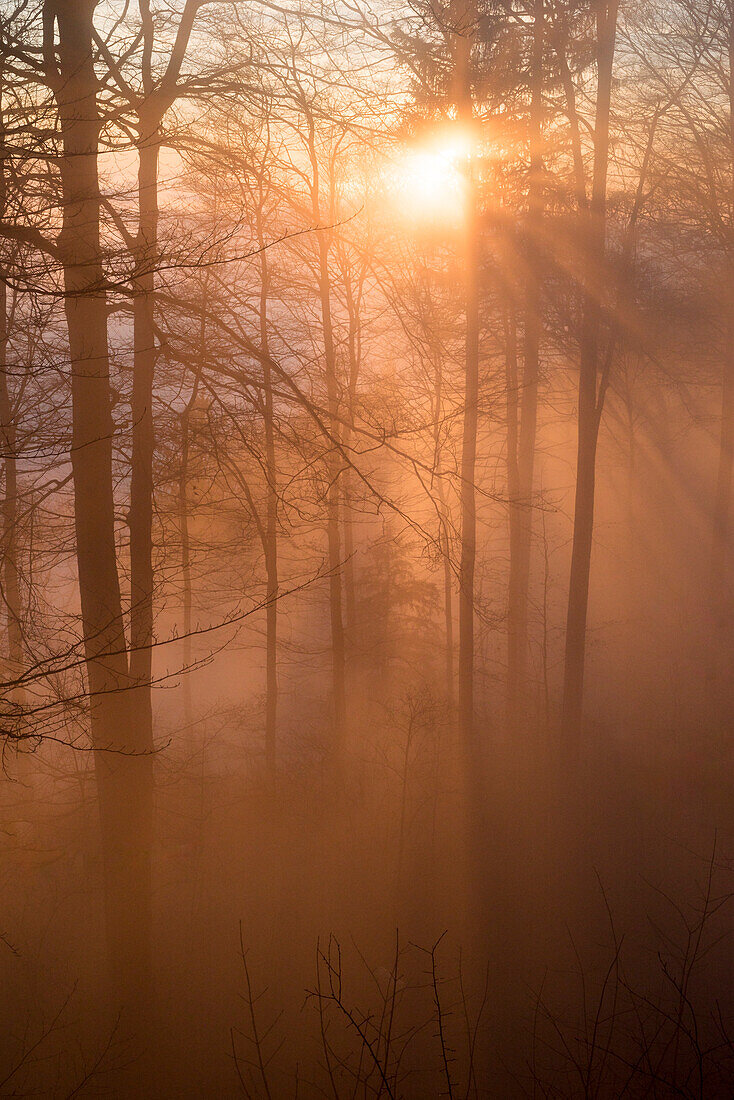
721, 577
151, 109
333, 467
183, 500
512, 388
469, 509
588, 408
448, 611
141, 483
471, 412
183, 506
333, 492
721, 574
11, 586
271, 523
521, 514
123, 764
722, 507
444, 532
184, 534
472, 747
354, 344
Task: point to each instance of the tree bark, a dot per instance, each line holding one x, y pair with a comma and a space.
444, 535
122, 760
471, 416
333, 492
354, 344
183, 522
521, 511
333, 467
512, 387
721, 578
11, 585
588, 408
141, 482
271, 524
8, 428
151, 109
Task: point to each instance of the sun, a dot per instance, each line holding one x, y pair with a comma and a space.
429, 183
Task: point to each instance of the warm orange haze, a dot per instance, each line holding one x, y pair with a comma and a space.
366, 549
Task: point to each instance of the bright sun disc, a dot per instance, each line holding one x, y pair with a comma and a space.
429, 184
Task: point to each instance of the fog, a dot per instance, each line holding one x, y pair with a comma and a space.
366, 636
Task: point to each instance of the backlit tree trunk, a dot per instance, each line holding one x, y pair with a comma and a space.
444, 529
588, 410
521, 513
123, 765
141, 482
11, 587
721, 582
150, 110
184, 534
462, 50
333, 492
354, 343
9, 545
333, 462
271, 519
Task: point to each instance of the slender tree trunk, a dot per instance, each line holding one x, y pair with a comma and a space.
512, 386
471, 746
588, 409
444, 536
350, 584
11, 586
183, 519
141, 484
448, 616
354, 345
183, 501
468, 501
521, 514
183, 524
333, 471
123, 765
470, 427
157, 97
721, 583
271, 526
720, 572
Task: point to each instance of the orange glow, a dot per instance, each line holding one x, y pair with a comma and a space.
429, 182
